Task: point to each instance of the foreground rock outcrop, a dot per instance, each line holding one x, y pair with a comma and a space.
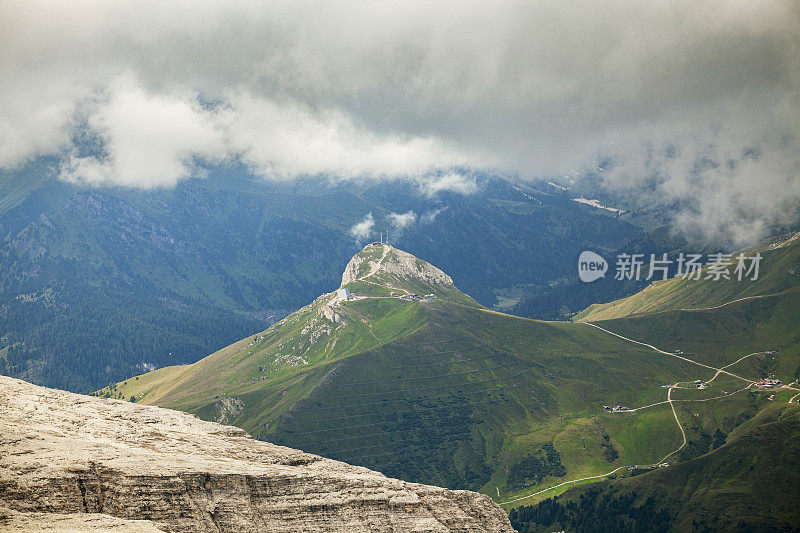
12, 521
92, 464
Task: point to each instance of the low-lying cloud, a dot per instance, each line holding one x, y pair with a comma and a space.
671, 93
723, 192
429, 217
402, 220
451, 181
362, 230
150, 140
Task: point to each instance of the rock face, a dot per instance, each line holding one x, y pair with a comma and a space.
92, 464
228, 408
394, 262
71, 523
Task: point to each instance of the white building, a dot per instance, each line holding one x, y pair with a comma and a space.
343, 294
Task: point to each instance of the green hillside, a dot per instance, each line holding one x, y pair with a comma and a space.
752, 483
415, 379
779, 271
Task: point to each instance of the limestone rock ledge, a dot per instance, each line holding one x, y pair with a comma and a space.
67, 457
13, 521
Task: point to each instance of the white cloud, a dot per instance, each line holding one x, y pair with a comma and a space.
402, 220
288, 139
725, 190
150, 139
452, 181
430, 216
31, 126
362, 230
411, 89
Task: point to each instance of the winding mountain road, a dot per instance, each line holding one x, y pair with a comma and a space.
561, 485
744, 299
669, 400
718, 370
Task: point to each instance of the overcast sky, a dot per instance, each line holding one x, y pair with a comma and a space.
701, 98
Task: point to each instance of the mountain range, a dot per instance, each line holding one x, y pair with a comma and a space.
412, 377
101, 283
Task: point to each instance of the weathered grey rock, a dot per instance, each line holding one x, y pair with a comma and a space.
395, 262
12, 521
64, 453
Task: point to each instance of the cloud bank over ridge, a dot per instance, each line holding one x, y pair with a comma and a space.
699, 101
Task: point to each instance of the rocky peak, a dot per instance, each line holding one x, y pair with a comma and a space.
382, 259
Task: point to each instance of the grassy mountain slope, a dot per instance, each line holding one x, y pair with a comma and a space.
752, 483
716, 336
444, 391
779, 271
739, 467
